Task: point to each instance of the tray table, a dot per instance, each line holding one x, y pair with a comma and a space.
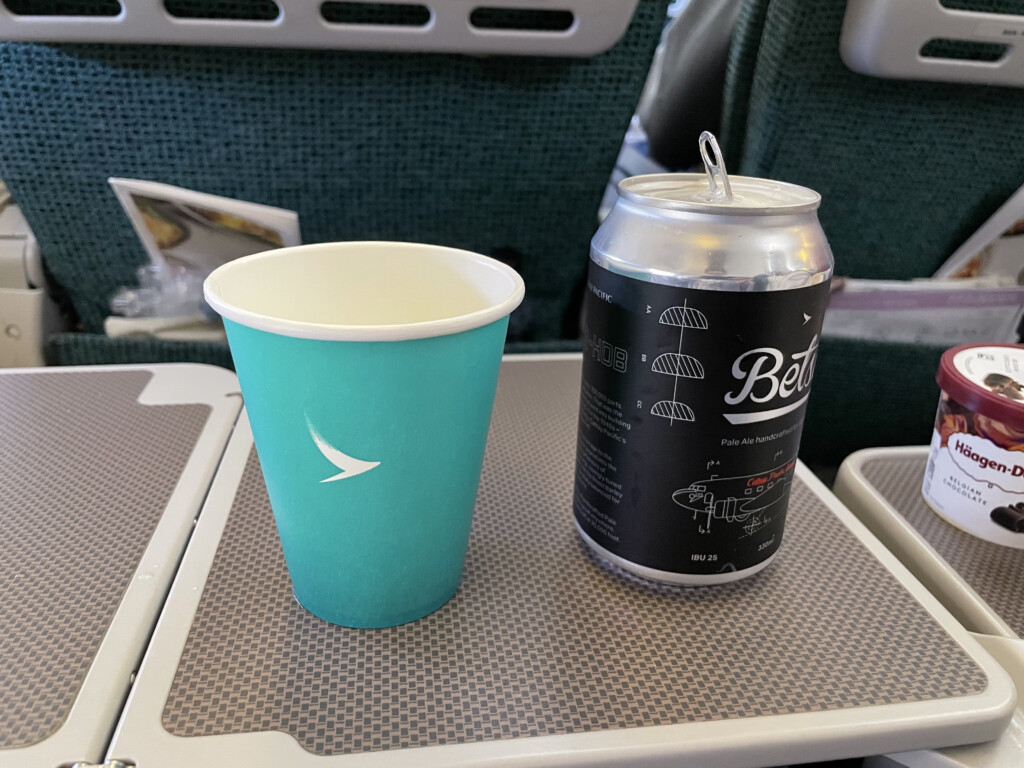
980, 583
104, 470
547, 656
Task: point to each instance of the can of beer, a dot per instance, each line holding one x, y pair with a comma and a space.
704, 304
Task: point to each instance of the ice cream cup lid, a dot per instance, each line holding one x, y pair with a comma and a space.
986, 378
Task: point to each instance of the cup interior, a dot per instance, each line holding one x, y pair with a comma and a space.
364, 290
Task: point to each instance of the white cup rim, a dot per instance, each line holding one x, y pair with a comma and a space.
337, 332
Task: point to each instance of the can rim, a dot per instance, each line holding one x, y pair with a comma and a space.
626, 190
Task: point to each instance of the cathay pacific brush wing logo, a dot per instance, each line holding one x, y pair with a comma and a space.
349, 466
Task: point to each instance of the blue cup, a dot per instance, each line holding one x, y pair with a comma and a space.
368, 371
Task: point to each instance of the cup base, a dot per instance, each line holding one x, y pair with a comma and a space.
378, 620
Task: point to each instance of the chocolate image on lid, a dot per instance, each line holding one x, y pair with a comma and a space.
1005, 386
1010, 517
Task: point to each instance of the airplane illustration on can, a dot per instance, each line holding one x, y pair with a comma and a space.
741, 499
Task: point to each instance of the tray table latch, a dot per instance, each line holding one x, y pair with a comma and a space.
27, 313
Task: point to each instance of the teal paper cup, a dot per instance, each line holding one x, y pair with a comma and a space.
368, 371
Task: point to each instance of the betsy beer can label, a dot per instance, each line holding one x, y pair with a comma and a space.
691, 408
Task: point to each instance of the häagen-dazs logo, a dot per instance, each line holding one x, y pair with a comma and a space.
985, 462
349, 466
766, 376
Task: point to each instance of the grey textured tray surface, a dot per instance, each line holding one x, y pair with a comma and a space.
996, 573
84, 485
542, 637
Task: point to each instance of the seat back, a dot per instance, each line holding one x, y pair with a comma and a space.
505, 155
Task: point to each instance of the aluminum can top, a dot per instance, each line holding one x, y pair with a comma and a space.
715, 232
689, 192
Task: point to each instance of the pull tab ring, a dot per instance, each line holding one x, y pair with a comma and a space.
718, 178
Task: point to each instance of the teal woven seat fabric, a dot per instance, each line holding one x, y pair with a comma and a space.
868, 394
97, 349
498, 155
739, 77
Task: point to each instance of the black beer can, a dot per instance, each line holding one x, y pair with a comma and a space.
703, 311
